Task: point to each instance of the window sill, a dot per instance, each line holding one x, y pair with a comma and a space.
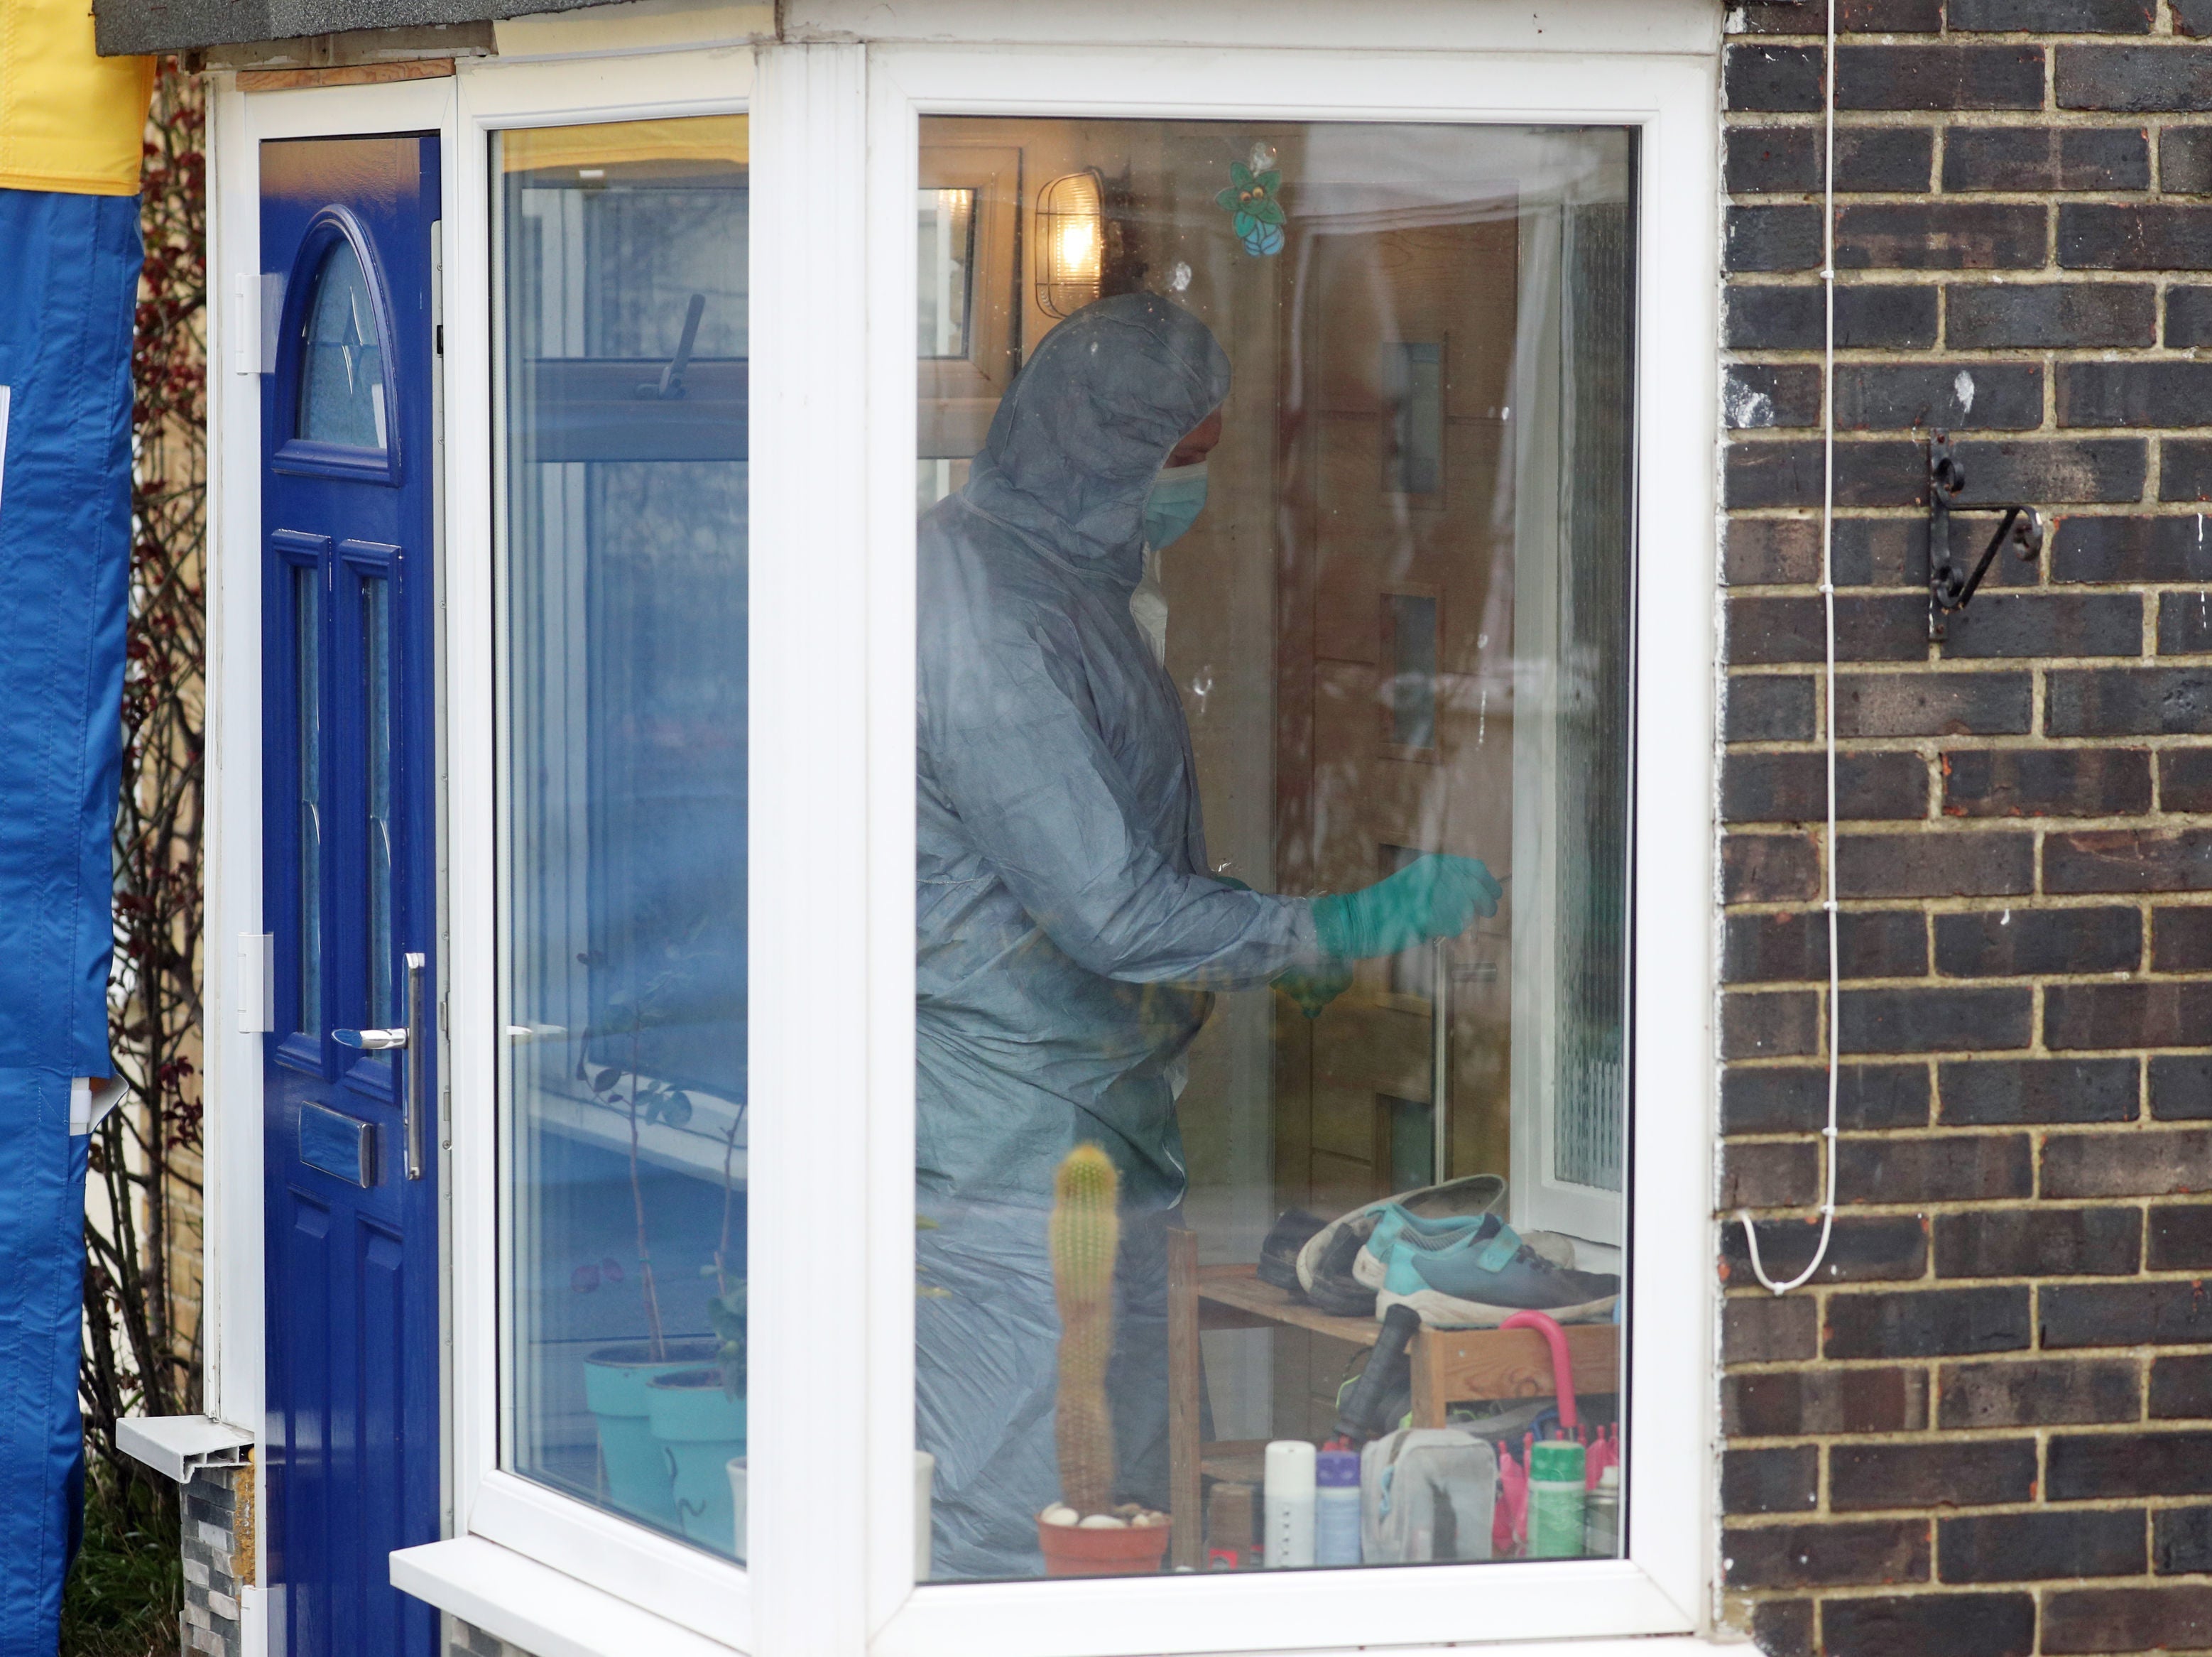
535, 1608
546, 1613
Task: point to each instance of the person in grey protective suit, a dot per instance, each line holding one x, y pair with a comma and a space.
1069, 935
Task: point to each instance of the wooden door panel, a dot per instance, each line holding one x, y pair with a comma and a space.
1372, 1041
1344, 1125
1368, 539
1445, 282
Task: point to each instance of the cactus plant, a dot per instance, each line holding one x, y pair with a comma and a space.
1086, 1232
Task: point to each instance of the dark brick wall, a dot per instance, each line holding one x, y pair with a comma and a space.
1985, 1430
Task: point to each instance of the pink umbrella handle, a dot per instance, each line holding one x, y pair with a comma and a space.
1563, 1367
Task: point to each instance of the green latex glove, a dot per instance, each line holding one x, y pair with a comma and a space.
1314, 987
1435, 896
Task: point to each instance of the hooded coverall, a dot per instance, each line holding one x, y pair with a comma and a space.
1068, 931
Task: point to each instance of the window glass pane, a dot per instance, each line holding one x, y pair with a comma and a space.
623, 722
376, 672
1413, 381
1273, 850
341, 370
945, 238
307, 678
1409, 624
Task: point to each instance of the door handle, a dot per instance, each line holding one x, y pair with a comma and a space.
415, 1040
370, 1041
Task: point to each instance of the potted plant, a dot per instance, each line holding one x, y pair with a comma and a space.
697, 1416
1086, 1533
617, 1378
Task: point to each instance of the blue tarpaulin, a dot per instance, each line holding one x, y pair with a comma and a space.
68, 272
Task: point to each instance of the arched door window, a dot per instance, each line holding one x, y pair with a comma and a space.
342, 392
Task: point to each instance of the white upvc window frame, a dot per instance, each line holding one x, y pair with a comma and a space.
1661, 1586
834, 152
675, 1583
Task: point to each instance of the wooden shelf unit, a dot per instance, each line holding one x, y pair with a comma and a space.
1449, 1366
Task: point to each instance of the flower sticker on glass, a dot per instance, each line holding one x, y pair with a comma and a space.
1255, 214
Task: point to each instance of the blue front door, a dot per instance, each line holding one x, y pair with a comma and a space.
349, 855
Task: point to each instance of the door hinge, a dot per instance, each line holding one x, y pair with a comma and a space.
257, 984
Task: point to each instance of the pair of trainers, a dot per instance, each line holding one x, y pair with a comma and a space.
1475, 1272
1319, 1259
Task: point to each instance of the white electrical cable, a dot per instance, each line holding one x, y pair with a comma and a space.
1828, 604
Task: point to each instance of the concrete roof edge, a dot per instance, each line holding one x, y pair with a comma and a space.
122, 27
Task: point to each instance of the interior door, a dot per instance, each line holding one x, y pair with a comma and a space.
1395, 690
1396, 665
351, 1145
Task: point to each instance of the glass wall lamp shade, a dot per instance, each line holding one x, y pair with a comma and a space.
1071, 242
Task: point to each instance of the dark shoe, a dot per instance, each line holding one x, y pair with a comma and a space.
1279, 1255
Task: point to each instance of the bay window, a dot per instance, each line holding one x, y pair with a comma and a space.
1119, 641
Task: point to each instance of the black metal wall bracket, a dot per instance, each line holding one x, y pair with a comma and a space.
1950, 587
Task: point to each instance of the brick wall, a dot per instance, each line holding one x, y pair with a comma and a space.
1986, 1429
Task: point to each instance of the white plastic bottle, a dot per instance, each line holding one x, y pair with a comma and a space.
1289, 1497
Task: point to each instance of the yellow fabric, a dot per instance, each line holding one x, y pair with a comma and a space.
71, 120
688, 138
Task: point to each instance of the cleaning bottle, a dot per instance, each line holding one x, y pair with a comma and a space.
1336, 1507
1555, 1499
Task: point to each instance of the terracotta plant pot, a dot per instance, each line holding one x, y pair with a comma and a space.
1071, 1550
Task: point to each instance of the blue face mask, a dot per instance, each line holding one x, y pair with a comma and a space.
1178, 497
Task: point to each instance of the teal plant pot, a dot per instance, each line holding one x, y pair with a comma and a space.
698, 1428
616, 1380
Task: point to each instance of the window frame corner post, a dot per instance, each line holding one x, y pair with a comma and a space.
810, 842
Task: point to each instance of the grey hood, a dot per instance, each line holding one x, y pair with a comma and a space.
1078, 440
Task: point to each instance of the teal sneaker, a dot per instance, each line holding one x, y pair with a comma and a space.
1336, 1272
1457, 1275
